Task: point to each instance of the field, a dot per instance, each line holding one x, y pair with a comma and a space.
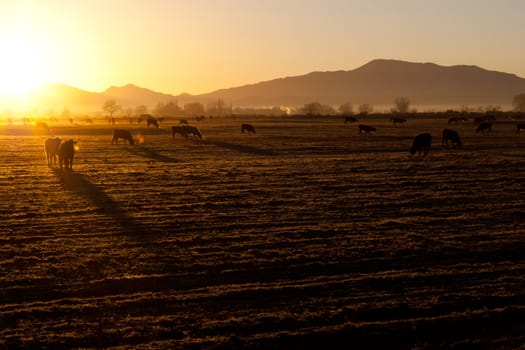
304, 234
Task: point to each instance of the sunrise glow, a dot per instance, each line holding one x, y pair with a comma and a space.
21, 67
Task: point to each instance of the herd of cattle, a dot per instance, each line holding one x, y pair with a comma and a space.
62, 152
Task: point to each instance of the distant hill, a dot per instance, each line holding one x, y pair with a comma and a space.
378, 82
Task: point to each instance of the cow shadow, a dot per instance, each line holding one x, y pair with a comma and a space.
79, 185
151, 154
243, 148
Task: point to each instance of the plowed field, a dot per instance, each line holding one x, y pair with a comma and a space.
303, 234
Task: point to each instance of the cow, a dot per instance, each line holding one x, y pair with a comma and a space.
452, 136
398, 121
185, 131
520, 126
66, 153
421, 143
152, 121
51, 147
122, 134
350, 120
248, 128
484, 127
183, 122
367, 129
41, 126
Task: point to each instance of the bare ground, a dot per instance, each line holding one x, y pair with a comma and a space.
304, 234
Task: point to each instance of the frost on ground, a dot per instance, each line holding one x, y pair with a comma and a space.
305, 233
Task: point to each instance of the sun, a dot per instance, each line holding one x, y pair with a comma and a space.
21, 67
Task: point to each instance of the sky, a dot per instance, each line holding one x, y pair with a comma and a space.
199, 46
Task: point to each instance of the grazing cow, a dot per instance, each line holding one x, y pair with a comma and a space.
122, 134
421, 143
200, 118
152, 121
350, 120
398, 121
520, 126
247, 128
183, 122
452, 136
454, 120
51, 146
367, 129
484, 127
185, 131
66, 153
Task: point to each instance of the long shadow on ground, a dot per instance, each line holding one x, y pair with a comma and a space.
242, 148
152, 154
79, 185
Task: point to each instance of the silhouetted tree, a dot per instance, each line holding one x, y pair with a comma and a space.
518, 102
402, 104
194, 109
316, 108
218, 107
346, 108
110, 107
365, 108
170, 109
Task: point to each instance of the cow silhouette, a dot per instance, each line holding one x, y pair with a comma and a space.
452, 136
366, 129
248, 128
66, 154
421, 144
122, 134
51, 147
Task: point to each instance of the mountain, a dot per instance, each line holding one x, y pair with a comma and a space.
378, 83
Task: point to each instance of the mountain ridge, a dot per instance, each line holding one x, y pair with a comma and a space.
377, 82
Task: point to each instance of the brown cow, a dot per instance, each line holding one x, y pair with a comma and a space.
421, 143
122, 134
452, 136
185, 131
152, 121
51, 147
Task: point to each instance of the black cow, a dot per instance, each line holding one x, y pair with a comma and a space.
452, 136
484, 127
367, 129
66, 153
122, 134
421, 144
350, 120
398, 121
519, 127
248, 128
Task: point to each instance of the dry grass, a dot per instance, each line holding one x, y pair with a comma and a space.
305, 233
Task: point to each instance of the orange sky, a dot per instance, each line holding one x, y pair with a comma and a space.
198, 46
